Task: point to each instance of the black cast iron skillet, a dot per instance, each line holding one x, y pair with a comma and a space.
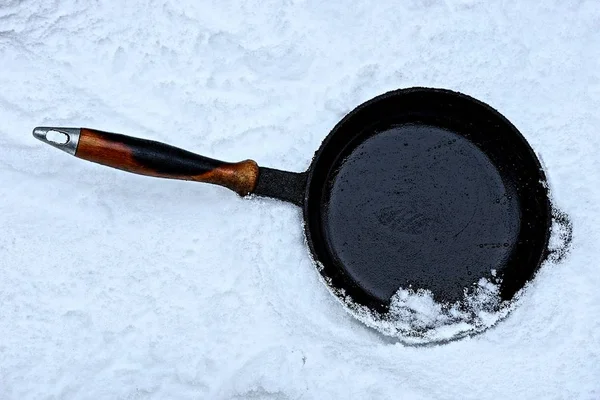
417, 188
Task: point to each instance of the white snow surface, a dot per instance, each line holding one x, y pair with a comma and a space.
415, 317
118, 286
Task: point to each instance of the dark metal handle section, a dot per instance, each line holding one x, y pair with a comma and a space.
282, 185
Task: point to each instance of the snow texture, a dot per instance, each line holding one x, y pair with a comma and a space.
117, 286
415, 317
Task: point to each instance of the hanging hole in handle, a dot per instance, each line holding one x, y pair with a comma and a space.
57, 137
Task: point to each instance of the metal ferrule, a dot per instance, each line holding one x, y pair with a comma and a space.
65, 139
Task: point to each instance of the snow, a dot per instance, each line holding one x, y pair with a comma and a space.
117, 286
415, 317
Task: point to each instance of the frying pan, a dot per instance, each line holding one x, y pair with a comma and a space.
417, 188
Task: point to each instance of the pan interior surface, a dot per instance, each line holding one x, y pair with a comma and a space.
419, 206
425, 189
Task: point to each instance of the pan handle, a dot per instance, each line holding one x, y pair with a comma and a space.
147, 157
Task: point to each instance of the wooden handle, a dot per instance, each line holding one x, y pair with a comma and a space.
147, 157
